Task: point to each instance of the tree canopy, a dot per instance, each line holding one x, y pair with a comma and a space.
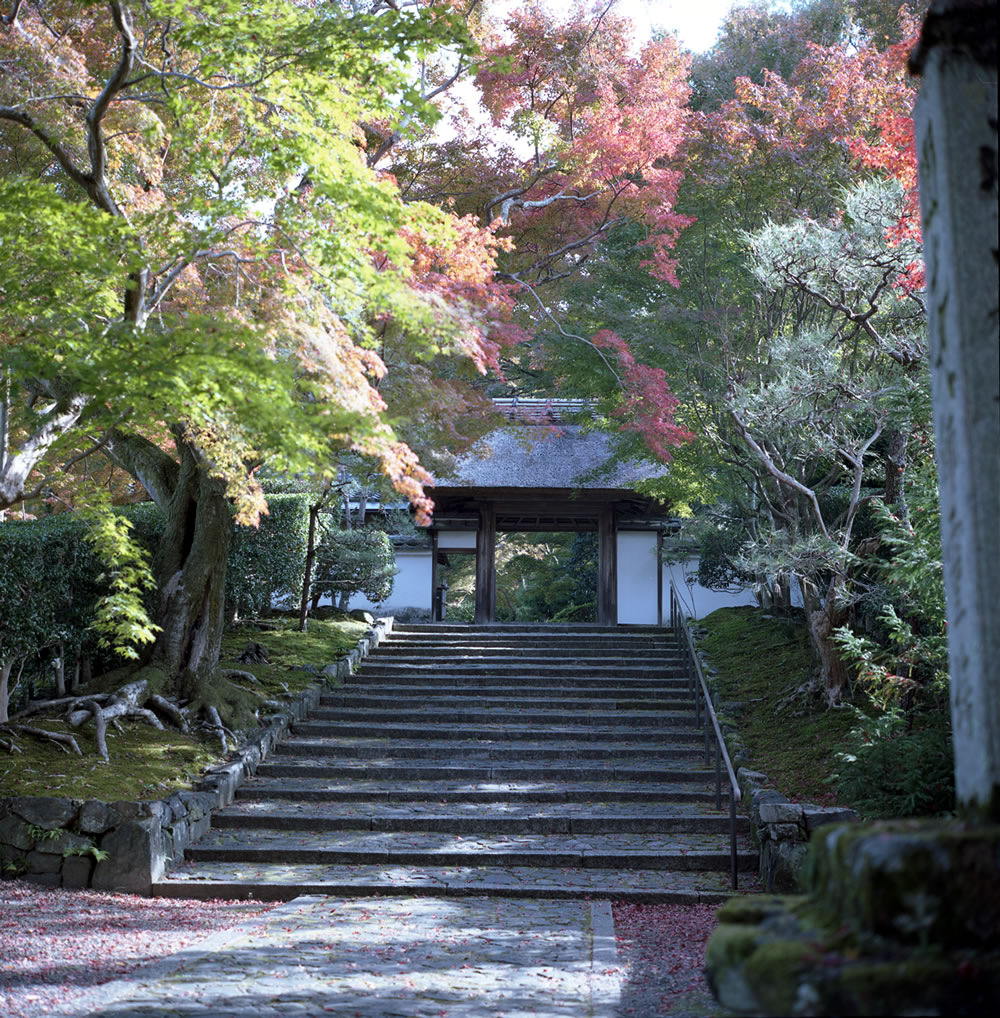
236, 246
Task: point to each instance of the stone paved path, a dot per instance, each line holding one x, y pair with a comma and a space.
387, 958
497, 789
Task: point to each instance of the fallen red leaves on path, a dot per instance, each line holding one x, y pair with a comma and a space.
661, 949
54, 944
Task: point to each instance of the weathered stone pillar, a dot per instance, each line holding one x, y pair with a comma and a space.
956, 128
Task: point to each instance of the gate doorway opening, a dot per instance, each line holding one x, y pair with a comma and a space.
546, 576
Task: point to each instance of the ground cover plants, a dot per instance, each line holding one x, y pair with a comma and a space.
882, 762
761, 661
145, 763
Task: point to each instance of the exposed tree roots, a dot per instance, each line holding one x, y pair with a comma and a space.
134, 700
63, 740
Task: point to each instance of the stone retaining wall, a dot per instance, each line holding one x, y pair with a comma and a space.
127, 846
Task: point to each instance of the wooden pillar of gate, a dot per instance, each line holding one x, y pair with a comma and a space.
486, 574
607, 569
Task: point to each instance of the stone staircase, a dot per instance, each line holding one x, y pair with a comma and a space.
518, 761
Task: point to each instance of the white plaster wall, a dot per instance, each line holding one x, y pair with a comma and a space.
457, 539
637, 577
698, 601
412, 587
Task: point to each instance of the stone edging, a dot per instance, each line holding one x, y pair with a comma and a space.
781, 828
143, 839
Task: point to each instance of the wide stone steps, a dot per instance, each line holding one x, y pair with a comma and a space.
542, 761
645, 712
270, 881
446, 683
688, 851
646, 700
608, 770
596, 648
505, 655
477, 750
554, 675
304, 789
475, 818
620, 734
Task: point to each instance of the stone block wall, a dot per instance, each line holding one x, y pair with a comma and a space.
127, 846
782, 830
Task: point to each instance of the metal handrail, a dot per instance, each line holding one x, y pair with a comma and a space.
699, 690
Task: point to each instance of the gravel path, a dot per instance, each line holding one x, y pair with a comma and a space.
57, 945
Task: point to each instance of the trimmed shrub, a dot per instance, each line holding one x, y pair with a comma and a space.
355, 562
52, 581
49, 597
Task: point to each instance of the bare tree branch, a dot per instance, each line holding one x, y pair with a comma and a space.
569, 335
9, 19
778, 474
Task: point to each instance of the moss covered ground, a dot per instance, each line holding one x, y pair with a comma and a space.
762, 661
148, 764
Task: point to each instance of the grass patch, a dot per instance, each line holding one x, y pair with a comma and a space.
760, 662
149, 764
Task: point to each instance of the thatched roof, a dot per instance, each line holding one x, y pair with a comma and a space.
545, 456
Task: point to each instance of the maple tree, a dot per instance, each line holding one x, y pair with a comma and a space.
591, 135
199, 261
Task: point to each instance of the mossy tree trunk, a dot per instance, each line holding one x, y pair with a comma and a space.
190, 564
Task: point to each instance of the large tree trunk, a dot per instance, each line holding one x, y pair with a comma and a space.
191, 575
824, 616
190, 564
5, 669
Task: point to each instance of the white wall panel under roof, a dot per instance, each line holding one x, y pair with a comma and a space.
457, 539
411, 587
638, 577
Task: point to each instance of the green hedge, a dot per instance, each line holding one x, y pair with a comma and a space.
269, 562
50, 577
50, 584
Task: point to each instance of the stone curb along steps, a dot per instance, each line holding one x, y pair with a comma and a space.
143, 839
541, 761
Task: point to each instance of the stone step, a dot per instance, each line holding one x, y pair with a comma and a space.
514, 671
474, 651
477, 818
607, 770
282, 882
262, 788
510, 733
598, 851
560, 712
350, 700
527, 628
572, 645
510, 658
443, 679
476, 752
